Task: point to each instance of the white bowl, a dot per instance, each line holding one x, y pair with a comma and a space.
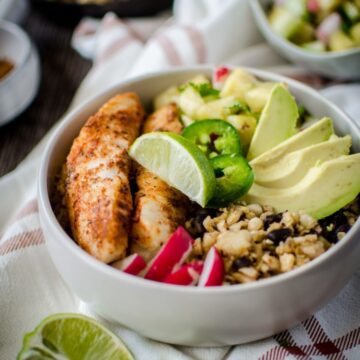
19, 87
342, 65
189, 315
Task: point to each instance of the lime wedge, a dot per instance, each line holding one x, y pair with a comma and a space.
72, 337
178, 162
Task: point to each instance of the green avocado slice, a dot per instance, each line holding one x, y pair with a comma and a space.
277, 122
291, 168
324, 190
317, 133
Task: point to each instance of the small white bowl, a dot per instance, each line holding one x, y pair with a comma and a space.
19, 87
341, 65
189, 315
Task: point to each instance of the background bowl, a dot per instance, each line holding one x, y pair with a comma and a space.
342, 65
188, 315
19, 87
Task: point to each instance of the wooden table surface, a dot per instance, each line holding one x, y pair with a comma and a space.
62, 70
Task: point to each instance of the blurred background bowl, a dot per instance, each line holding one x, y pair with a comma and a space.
19, 87
342, 65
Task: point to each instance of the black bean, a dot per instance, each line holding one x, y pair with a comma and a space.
333, 221
333, 224
197, 228
276, 236
241, 262
271, 219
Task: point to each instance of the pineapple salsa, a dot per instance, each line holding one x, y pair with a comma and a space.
318, 25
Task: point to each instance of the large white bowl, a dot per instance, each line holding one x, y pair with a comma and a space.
188, 315
343, 65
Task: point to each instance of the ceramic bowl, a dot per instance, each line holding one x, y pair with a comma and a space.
341, 65
19, 87
190, 315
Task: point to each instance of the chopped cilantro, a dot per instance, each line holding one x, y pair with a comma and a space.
181, 88
238, 108
205, 90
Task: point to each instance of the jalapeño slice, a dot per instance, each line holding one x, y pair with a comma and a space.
214, 137
234, 178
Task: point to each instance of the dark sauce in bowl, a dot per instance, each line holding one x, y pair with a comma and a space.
6, 66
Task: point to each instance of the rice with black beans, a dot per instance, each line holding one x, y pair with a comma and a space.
255, 242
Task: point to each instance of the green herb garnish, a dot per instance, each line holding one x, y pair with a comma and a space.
205, 90
238, 108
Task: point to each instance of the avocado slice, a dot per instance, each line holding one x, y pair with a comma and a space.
314, 134
291, 168
277, 121
324, 190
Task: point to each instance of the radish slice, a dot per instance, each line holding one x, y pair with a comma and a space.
313, 6
133, 264
187, 275
213, 273
171, 255
220, 74
327, 27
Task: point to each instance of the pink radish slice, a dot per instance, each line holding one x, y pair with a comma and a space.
213, 272
133, 264
313, 6
171, 255
220, 74
327, 27
187, 275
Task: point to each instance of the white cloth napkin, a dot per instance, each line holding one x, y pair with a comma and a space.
200, 31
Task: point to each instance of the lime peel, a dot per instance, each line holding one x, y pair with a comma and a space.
67, 336
178, 162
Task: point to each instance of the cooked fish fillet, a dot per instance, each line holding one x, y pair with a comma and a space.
159, 208
98, 193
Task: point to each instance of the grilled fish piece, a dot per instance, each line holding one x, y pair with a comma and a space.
98, 193
159, 208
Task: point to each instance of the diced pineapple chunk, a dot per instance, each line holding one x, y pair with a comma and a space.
190, 101
216, 109
186, 120
314, 46
340, 41
199, 79
237, 84
355, 33
245, 125
168, 96
284, 22
329, 5
257, 96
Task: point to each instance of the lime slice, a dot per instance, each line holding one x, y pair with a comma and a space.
178, 162
72, 337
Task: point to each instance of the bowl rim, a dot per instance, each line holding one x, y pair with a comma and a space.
267, 31
24, 40
46, 210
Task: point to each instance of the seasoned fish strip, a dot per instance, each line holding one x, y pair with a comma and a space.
159, 208
98, 193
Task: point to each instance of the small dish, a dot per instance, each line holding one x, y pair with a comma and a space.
342, 65
19, 87
194, 316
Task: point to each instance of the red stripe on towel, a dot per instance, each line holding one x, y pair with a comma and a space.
21, 241
169, 50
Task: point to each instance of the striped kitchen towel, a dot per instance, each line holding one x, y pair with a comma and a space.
200, 31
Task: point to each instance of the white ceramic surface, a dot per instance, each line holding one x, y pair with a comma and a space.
188, 315
19, 87
343, 65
